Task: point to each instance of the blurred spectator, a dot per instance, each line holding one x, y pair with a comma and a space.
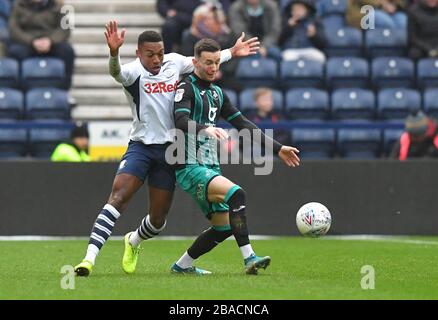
391, 15
302, 35
353, 14
209, 21
178, 17
422, 29
258, 18
420, 139
264, 103
35, 30
75, 150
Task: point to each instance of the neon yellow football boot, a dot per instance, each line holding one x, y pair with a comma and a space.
130, 256
84, 268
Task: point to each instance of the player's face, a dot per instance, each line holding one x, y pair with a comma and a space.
207, 65
432, 3
151, 56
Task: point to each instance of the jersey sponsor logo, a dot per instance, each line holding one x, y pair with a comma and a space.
212, 113
160, 87
179, 95
122, 164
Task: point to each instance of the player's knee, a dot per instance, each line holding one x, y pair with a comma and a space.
222, 233
238, 197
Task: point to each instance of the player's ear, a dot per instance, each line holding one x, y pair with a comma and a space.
138, 53
195, 62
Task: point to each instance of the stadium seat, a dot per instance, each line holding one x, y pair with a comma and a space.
5, 9
390, 137
329, 7
9, 73
301, 73
354, 103
4, 30
13, 143
47, 103
307, 103
333, 21
247, 101
343, 42
257, 72
430, 102
232, 95
347, 72
397, 103
359, 143
43, 72
44, 141
314, 143
427, 73
385, 42
11, 104
392, 72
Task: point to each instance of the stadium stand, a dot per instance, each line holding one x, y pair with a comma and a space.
307, 103
315, 143
353, 103
11, 104
342, 72
247, 103
301, 73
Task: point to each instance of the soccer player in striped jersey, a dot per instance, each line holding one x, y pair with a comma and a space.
149, 83
198, 106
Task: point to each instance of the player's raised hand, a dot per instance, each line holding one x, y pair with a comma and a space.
217, 133
289, 156
245, 48
113, 38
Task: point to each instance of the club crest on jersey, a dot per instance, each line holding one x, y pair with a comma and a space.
179, 95
215, 95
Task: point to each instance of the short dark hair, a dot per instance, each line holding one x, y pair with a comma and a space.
149, 36
206, 44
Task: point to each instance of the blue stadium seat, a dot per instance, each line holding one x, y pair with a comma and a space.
392, 72
43, 72
314, 143
247, 101
232, 95
301, 73
257, 72
385, 42
344, 72
5, 9
354, 103
328, 7
397, 103
430, 102
307, 103
9, 73
343, 42
427, 73
359, 143
44, 141
333, 21
13, 143
4, 30
11, 104
390, 137
47, 103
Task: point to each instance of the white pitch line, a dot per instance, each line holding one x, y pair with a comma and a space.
393, 239
117, 238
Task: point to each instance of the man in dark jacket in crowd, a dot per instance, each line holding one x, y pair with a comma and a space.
36, 30
422, 29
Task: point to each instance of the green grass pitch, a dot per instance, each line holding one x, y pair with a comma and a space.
301, 268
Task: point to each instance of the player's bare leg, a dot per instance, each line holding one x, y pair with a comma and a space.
124, 187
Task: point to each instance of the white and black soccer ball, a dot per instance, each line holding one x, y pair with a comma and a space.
313, 219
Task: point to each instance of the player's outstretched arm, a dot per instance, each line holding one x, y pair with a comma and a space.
245, 48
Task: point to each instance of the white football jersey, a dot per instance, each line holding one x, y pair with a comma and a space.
151, 97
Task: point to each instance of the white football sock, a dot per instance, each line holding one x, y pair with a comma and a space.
92, 252
246, 251
185, 261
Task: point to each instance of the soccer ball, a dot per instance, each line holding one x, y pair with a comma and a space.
313, 219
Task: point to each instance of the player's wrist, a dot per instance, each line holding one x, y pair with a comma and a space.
114, 53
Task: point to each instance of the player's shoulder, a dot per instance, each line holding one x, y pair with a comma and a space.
133, 66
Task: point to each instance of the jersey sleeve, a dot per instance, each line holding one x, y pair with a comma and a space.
125, 74
232, 115
185, 64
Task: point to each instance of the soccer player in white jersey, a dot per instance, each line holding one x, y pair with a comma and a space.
149, 83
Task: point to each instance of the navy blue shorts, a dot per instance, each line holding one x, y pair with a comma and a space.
143, 161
